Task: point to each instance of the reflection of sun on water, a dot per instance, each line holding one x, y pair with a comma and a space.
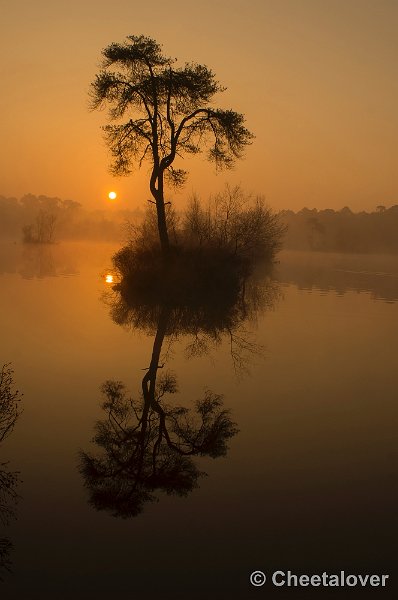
109, 278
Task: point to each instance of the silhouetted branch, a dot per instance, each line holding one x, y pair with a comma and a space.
9, 402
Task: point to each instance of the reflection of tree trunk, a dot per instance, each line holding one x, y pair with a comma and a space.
149, 386
149, 380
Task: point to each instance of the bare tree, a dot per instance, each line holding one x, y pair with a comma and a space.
160, 112
236, 222
43, 230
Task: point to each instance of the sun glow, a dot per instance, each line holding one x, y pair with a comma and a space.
109, 278
112, 195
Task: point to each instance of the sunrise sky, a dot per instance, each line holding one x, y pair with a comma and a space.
316, 79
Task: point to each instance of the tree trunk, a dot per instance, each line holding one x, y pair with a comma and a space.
158, 194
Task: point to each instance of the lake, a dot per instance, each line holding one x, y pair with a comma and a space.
308, 372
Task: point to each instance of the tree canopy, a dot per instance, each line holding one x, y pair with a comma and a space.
159, 111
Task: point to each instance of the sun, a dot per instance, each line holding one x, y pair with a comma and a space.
112, 195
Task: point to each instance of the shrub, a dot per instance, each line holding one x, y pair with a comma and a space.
235, 223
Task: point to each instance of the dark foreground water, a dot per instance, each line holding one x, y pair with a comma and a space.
308, 371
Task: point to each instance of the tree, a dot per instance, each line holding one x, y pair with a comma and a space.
43, 230
158, 112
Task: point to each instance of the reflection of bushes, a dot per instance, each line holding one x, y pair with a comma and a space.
210, 310
207, 312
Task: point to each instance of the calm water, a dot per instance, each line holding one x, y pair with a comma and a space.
308, 483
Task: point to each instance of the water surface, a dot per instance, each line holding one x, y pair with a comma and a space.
308, 483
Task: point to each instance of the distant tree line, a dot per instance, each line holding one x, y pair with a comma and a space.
308, 229
47, 219
342, 231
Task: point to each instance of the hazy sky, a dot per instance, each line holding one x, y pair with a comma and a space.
316, 79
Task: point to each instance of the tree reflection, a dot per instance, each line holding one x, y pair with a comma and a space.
214, 311
147, 445
9, 413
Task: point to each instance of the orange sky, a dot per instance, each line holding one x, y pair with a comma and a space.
316, 79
